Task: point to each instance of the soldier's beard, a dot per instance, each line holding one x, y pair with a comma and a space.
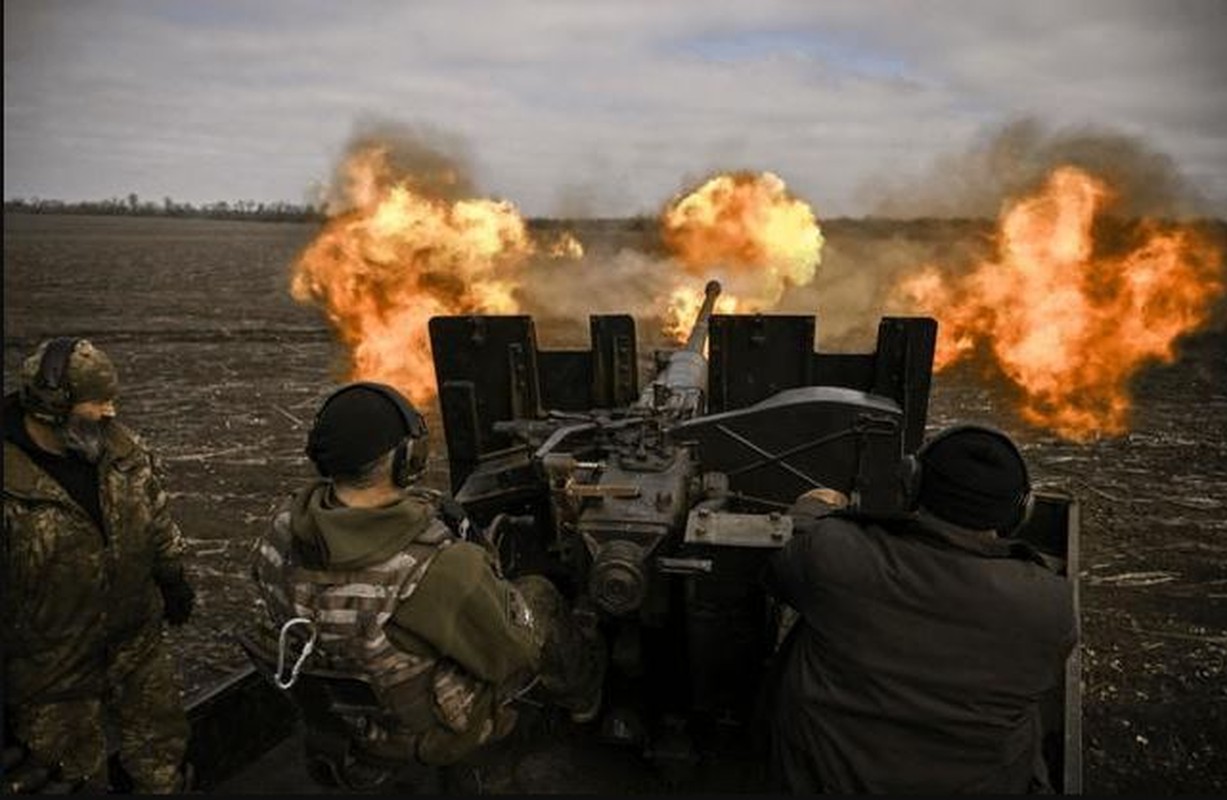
86, 437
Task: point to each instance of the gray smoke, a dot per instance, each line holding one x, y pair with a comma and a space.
561, 294
864, 260
1014, 160
433, 162
947, 216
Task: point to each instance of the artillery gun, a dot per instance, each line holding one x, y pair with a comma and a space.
654, 509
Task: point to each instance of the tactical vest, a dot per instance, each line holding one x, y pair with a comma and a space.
349, 609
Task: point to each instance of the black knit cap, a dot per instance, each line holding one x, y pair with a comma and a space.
973, 477
355, 426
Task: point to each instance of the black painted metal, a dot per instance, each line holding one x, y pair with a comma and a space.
234, 724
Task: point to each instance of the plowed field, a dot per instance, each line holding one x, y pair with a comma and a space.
221, 372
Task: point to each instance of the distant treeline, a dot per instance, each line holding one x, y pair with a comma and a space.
134, 206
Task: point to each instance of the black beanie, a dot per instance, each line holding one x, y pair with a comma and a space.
356, 426
973, 477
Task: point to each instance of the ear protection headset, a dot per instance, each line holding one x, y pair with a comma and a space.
409, 460
911, 471
50, 384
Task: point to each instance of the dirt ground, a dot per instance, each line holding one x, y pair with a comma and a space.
221, 372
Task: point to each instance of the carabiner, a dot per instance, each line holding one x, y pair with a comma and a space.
281, 650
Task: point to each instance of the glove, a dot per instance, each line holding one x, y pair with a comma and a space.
178, 597
455, 518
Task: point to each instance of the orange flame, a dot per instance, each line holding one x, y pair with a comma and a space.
566, 246
684, 303
1068, 326
397, 257
748, 231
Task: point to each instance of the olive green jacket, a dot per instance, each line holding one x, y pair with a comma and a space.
71, 591
462, 609
461, 612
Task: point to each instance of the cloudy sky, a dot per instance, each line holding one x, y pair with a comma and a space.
605, 108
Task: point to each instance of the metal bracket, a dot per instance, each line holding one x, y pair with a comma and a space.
726, 529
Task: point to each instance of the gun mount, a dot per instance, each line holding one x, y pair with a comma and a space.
655, 509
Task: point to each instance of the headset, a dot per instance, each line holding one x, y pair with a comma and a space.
409, 461
911, 471
51, 392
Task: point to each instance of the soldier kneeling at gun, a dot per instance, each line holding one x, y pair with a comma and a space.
395, 634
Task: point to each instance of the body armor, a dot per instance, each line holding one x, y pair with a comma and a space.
401, 695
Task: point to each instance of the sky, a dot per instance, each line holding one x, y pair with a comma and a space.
577, 108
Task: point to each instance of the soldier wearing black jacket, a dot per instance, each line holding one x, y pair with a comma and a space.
924, 646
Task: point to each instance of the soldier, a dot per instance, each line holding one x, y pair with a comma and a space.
92, 566
923, 647
400, 601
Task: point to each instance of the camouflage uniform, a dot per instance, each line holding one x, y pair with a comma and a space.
81, 616
421, 616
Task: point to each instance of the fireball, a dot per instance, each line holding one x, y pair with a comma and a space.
1068, 325
748, 231
392, 256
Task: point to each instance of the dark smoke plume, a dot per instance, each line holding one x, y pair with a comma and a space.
947, 216
1015, 159
434, 163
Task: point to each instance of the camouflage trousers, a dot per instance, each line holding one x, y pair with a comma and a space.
144, 704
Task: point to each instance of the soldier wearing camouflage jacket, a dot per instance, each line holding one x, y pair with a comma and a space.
92, 565
399, 599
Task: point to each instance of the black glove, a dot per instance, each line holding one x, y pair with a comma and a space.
178, 597
456, 519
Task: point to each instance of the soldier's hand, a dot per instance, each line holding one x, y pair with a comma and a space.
455, 518
179, 598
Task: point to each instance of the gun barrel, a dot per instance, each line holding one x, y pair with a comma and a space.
698, 334
679, 388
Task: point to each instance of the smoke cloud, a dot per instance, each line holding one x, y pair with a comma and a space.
435, 163
561, 295
947, 217
1014, 159
622, 269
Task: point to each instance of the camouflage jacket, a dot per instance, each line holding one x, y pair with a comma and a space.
71, 591
348, 608
399, 603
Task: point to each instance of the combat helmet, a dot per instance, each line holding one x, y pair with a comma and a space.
62, 372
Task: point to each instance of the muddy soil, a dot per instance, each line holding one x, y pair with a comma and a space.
221, 372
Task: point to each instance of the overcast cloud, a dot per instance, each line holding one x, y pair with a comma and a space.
609, 109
